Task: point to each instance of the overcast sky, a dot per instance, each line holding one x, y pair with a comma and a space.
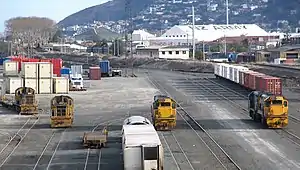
54, 9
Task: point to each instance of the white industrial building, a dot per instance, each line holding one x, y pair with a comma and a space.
141, 37
182, 34
174, 53
167, 52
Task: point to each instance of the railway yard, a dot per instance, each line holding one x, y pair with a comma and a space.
214, 130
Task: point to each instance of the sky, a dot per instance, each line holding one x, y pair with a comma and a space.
53, 9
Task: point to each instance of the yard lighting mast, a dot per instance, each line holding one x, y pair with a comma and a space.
193, 14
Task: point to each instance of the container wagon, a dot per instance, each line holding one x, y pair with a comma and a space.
62, 111
249, 79
24, 101
142, 148
271, 110
163, 112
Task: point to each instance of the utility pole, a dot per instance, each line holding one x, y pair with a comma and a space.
129, 29
193, 13
227, 23
203, 50
227, 15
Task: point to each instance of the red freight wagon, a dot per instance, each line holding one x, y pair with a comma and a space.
258, 85
271, 84
242, 74
95, 73
247, 78
251, 80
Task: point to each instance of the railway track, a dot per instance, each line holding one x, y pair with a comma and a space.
8, 150
48, 148
178, 154
284, 132
217, 151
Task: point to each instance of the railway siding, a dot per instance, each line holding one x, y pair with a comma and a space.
244, 138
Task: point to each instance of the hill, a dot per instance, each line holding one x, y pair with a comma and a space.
110, 11
159, 14
97, 34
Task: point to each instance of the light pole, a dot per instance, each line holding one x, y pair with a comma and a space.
227, 15
193, 13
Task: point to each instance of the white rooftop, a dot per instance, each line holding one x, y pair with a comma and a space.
138, 129
142, 139
213, 32
136, 119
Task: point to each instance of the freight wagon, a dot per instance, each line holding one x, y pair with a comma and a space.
142, 148
249, 79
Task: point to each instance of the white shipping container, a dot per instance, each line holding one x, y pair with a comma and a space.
225, 69
231, 73
31, 82
10, 68
12, 84
237, 72
45, 70
76, 69
60, 85
45, 86
29, 70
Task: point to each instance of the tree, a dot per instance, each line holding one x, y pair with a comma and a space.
30, 31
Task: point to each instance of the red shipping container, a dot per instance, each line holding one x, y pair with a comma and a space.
271, 84
258, 85
243, 77
57, 65
95, 73
247, 78
251, 80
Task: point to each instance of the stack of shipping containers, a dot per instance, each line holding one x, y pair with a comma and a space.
11, 79
45, 84
35, 73
29, 74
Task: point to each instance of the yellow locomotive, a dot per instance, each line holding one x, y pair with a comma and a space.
25, 102
271, 110
62, 111
163, 112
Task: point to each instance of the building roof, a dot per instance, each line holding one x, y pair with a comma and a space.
136, 119
209, 33
142, 139
143, 33
138, 129
285, 48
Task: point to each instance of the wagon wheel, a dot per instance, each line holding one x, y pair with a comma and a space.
18, 109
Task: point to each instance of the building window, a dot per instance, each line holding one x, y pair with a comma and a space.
177, 35
183, 52
184, 35
180, 35
170, 52
163, 52
173, 35
177, 52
